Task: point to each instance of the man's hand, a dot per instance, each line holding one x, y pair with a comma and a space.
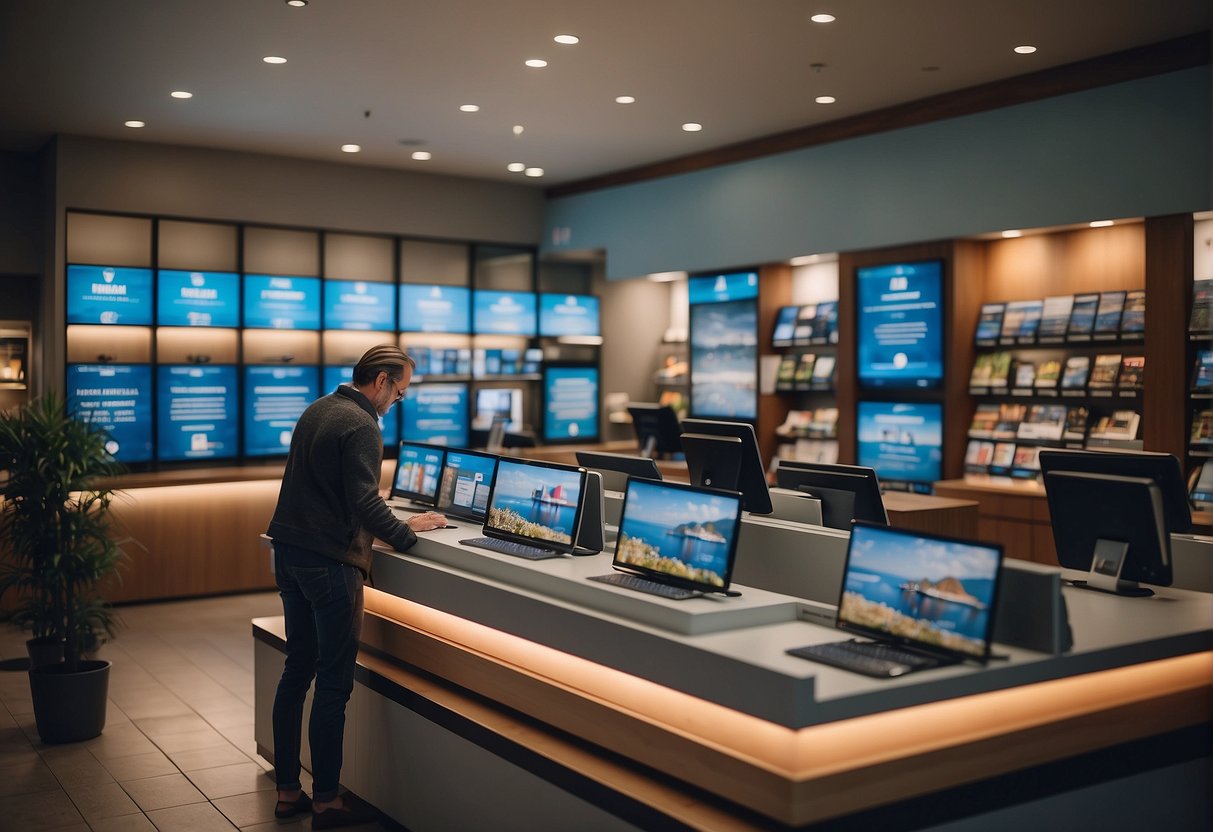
426, 521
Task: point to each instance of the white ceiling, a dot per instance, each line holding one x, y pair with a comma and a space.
742, 68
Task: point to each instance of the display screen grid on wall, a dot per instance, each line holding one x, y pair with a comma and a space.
188, 298
435, 308
109, 295
900, 324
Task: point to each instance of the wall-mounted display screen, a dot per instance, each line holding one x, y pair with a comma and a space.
434, 308
901, 325
498, 402
785, 326
274, 399
197, 298
359, 304
724, 360
570, 403
389, 425
902, 441
109, 295
278, 302
118, 397
503, 313
721, 288
196, 412
563, 315
436, 413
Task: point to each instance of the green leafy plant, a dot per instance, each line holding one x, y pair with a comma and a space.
55, 524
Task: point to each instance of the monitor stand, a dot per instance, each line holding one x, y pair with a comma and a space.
649, 449
1106, 563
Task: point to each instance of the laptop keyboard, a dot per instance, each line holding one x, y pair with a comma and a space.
639, 584
509, 547
868, 658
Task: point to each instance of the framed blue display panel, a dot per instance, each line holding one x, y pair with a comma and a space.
197, 298
274, 398
568, 315
900, 325
436, 413
570, 403
724, 360
720, 288
109, 295
118, 397
434, 308
389, 425
902, 441
196, 409
280, 302
359, 304
503, 313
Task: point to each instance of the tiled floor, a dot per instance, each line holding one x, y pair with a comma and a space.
177, 752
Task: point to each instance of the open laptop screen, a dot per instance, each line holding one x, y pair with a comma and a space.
537, 503
467, 479
924, 591
679, 534
417, 470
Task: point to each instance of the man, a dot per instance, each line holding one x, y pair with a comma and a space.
329, 510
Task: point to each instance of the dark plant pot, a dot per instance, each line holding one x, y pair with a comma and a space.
44, 650
70, 707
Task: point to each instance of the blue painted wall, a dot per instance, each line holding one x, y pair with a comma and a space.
1136, 149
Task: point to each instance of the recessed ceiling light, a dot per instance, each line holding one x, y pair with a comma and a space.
666, 277
822, 18
181, 94
422, 155
1012, 233
692, 127
469, 108
567, 39
518, 128
625, 99
273, 59
350, 148
134, 123
299, 4
536, 63
515, 167
1102, 223
534, 171
804, 260
1025, 50
825, 99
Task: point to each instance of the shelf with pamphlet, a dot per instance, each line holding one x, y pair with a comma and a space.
808, 334
1200, 396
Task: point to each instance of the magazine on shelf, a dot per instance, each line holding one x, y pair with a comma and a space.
1133, 319
978, 454
1004, 455
803, 332
1119, 425
786, 373
825, 323
984, 420
1104, 370
1029, 320
1075, 374
804, 368
1025, 374
1055, 318
1000, 368
816, 450
1202, 428
823, 370
1076, 424
1044, 421
989, 325
1009, 417
1201, 321
980, 376
1202, 375
1107, 314
1048, 373
1026, 462
1082, 317
1132, 372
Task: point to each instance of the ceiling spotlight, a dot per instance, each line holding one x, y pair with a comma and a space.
692, 127
1012, 233
568, 40
422, 155
536, 63
298, 4
1025, 50
515, 167
181, 94
134, 123
350, 148
625, 99
534, 171
518, 128
469, 108
822, 18
1102, 223
273, 59
825, 99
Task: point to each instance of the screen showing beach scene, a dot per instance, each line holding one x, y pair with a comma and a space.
939, 593
682, 533
535, 501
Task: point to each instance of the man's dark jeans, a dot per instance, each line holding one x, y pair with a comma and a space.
322, 603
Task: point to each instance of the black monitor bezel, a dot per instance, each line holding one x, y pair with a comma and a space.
416, 496
453, 510
543, 543
754, 473
1163, 468
668, 429
839, 477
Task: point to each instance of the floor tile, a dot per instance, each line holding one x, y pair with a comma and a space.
160, 706
126, 823
106, 800
225, 781
28, 776
200, 817
190, 741
42, 810
163, 792
159, 726
250, 809
139, 766
15, 746
120, 741
75, 766
200, 758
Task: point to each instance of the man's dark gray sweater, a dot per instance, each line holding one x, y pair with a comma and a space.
329, 501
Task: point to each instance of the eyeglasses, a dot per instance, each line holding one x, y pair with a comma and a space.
399, 389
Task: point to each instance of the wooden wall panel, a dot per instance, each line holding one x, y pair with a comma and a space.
1065, 263
774, 291
1169, 357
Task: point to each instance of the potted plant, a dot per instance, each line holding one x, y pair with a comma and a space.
55, 521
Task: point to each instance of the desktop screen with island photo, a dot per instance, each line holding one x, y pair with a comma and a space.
536, 502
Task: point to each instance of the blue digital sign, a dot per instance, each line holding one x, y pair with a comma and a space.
724, 360
274, 399
719, 288
436, 413
570, 403
197, 298
389, 425
563, 315
358, 304
118, 397
109, 295
903, 442
277, 302
901, 325
196, 412
433, 308
504, 313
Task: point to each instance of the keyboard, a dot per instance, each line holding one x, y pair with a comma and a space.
869, 658
639, 584
509, 547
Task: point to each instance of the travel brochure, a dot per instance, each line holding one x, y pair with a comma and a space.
1202, 376
1005, 439
1201, 322
994, 371
1202, 429
813, 323
1103, 316
820, 423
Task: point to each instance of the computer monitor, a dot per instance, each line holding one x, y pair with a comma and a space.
467, 479
847, 492
713, 461
657, 429
1163, 468
536, 503
418, 470
753, 480
616, 468
1112, 527
492, 402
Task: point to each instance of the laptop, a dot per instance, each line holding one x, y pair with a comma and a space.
467, 479
675, 540
534, 510
921, 601
415, 483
